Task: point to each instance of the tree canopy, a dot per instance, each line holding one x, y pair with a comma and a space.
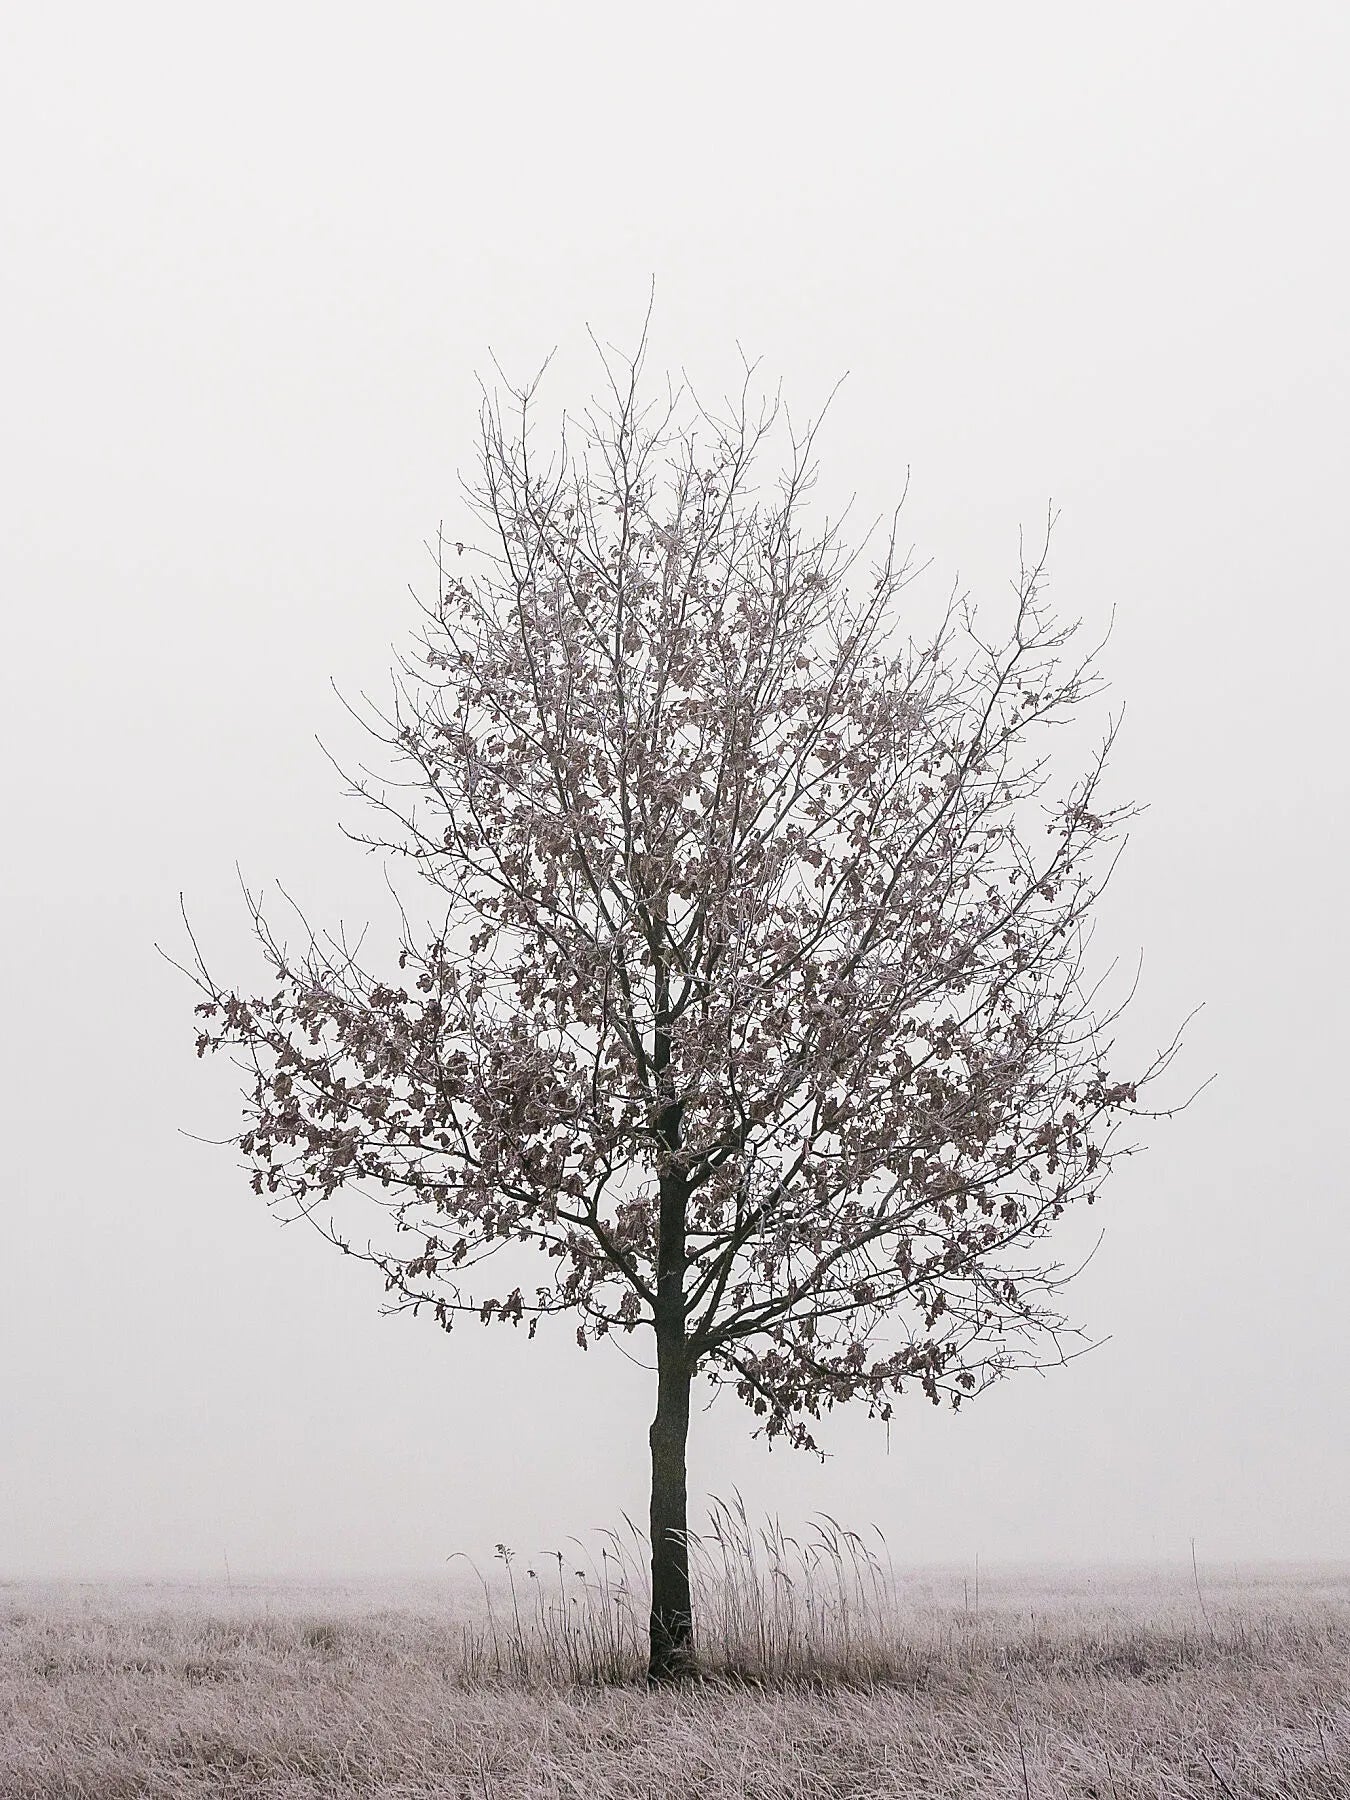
755, 998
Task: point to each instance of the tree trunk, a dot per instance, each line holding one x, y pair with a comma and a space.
671, 1654
672, 1611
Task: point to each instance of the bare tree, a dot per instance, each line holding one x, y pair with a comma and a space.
758, 1004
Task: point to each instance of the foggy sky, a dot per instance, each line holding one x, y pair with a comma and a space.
253, 261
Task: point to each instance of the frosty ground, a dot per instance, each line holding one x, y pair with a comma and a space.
1101, 1684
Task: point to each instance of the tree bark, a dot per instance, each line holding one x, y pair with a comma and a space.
672, 1611
671, 1649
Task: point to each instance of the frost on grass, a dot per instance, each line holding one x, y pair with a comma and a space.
1088, 1686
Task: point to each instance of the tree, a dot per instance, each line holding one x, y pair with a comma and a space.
757, 1005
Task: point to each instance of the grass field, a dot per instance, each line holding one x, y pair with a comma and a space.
825, 1678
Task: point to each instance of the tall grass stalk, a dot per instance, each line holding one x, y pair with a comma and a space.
770, 1607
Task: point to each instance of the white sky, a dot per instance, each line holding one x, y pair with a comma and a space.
252, 261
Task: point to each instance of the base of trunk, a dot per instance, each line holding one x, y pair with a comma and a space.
672, 1651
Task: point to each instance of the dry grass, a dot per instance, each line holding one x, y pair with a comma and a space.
831, 1677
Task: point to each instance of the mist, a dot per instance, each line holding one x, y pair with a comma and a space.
255, 271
